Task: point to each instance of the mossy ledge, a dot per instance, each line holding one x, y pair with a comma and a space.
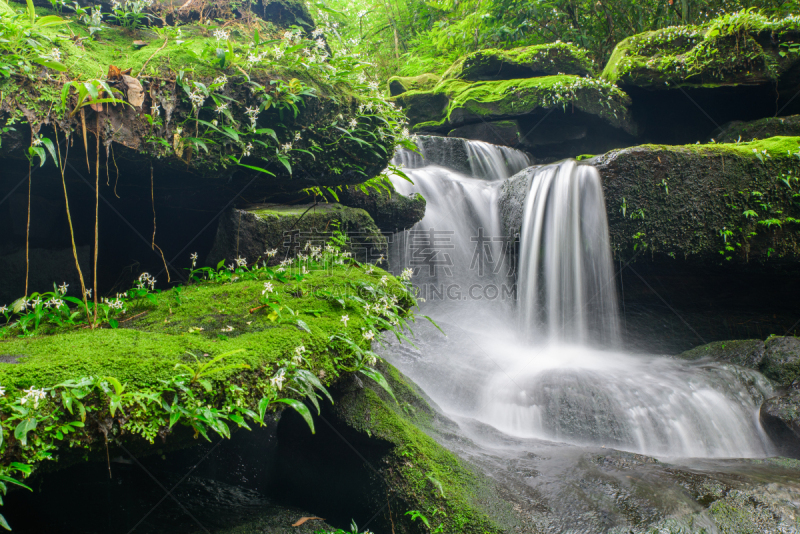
454, 103
741, 48
159, 334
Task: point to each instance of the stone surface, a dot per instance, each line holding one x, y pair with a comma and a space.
249, 233
505, 133
737, 131
781, 361
390, 210
747, 352
780, 417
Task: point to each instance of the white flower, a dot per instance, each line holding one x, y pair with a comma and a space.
55, 54
2, 391
369, 335
278, 53
63, 288
303, 270
89, 293
222, 107
3, 309
353, 123
228, 328
344, 319
286, 147
252, 113
278, 379
370, 269
247, 150
407, 273
371, 360
221, 35
271, 252
384, 280
361, 13
267, 288
37, 141
320, 43
241, 262
222, 81
194, 259
317, 33
253, 59
373, 85
297, 136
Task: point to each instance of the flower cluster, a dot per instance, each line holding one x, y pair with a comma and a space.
145, 280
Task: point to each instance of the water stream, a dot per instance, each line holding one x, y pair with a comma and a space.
533, 346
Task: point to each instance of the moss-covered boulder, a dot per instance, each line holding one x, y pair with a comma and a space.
716, 203
248, 233
685, 81
401, 84
524, 62
778, 358
738, 131
565, 112
743, 48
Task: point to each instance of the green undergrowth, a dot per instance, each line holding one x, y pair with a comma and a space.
740, 48
238, 343
470, 102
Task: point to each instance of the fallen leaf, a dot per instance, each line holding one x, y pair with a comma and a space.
97, 107
135, 90
140, 44
114, 73
304, 519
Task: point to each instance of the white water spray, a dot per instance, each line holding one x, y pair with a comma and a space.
534, 368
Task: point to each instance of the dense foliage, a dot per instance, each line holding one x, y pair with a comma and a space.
415, 36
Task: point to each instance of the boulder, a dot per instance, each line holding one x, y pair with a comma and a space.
390, 210
556, 116
401, 84
505, 133
524, 62
780, 417
746, 352
737, 131
781, 361
685, 81
249, 233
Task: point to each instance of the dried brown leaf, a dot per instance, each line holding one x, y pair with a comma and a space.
304, 519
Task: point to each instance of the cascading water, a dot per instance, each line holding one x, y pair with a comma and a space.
547, 365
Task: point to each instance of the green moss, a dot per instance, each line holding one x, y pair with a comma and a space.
400, 84
725, 51
524, 62
472, 102
427, 476
147, 346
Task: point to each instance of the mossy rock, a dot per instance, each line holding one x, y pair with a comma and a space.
737, 131
721, 204
401, 84
288, 228
780, 417
390, 210
744, 48
454, 103
524, 62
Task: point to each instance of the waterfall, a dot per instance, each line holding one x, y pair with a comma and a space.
547, 365
565, 278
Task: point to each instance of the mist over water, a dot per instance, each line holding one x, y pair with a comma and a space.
548, 364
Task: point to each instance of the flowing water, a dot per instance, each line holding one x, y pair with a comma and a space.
533, 347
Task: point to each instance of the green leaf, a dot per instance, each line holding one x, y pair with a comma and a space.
262, 407
117, 386
230, 132
252, 168
4, 523
206, 385
50, 20
379, 378
113, 323
302, 409
50, 64
37, 151
303, 326
22, 429
50, 148
173, 417
285, 161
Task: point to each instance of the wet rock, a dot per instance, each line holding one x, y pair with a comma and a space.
505, 133
390, 210
760, 129
780, 417
747, 353
46, 266
781, 361
249, 233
